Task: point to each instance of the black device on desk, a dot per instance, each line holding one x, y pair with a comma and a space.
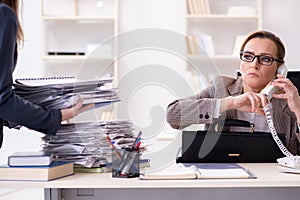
230, 147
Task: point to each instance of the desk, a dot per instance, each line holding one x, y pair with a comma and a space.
270, 184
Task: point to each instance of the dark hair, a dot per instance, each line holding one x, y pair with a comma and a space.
14, 4
267, 35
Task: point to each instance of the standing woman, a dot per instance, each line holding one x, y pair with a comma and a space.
12, 107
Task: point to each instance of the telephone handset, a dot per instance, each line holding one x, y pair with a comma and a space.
271, 89
290, 160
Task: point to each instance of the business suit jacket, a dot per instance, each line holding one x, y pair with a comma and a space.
199, 109
12, 107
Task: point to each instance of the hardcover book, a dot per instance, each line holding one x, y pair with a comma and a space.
30, 158
36, 173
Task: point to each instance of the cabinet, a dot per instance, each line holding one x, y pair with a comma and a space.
218, 28
79, 38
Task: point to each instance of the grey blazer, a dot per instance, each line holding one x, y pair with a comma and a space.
199, 109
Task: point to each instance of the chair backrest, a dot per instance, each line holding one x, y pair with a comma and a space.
294, 76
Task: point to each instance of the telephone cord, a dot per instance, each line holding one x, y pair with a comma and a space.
273, 131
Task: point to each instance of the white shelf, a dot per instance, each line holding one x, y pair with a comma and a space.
78, 18
222, 17
217, 56
79, 26
218, 32
71, 57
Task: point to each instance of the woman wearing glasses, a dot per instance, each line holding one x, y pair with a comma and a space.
240, 98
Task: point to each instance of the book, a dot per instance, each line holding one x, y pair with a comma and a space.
208, 44
238, 41
177, 171
200, 171
290, 170
206, 7
36, 173
29, 158
190, 6
192, 45
92, 169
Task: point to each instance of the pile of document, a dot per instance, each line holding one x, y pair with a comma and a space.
85, 143
64, 92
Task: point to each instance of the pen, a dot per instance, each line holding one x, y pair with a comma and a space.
138, 145
115, 145
109, 142
128, 163
137, 139
122, 163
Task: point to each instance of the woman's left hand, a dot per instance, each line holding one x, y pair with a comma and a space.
289, 92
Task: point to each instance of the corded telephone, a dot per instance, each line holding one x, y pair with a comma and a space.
271, 89
290, 160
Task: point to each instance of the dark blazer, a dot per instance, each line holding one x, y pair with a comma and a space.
12, 107
199, 109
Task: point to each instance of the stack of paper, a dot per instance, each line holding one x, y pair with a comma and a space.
85, 143
64, 92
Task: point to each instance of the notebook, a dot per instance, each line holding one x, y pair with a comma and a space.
200, 171
60, 82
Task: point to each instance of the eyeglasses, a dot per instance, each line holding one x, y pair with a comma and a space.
262, 59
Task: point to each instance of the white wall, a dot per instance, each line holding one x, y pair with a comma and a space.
29, 61
279, 16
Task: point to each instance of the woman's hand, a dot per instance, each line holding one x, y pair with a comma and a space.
69, 113
247, 102
289, 92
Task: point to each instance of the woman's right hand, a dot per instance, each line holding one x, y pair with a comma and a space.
247, 102
69, 113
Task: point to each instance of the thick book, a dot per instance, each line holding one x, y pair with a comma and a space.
56, 170
200, 171
30, 158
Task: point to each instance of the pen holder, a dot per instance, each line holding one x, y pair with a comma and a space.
125, 163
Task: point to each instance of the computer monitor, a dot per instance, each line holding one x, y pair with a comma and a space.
294, 76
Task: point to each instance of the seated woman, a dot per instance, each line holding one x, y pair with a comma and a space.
240, 98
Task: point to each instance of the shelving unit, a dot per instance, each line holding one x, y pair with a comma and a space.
79, 38
81, 28
217, 30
